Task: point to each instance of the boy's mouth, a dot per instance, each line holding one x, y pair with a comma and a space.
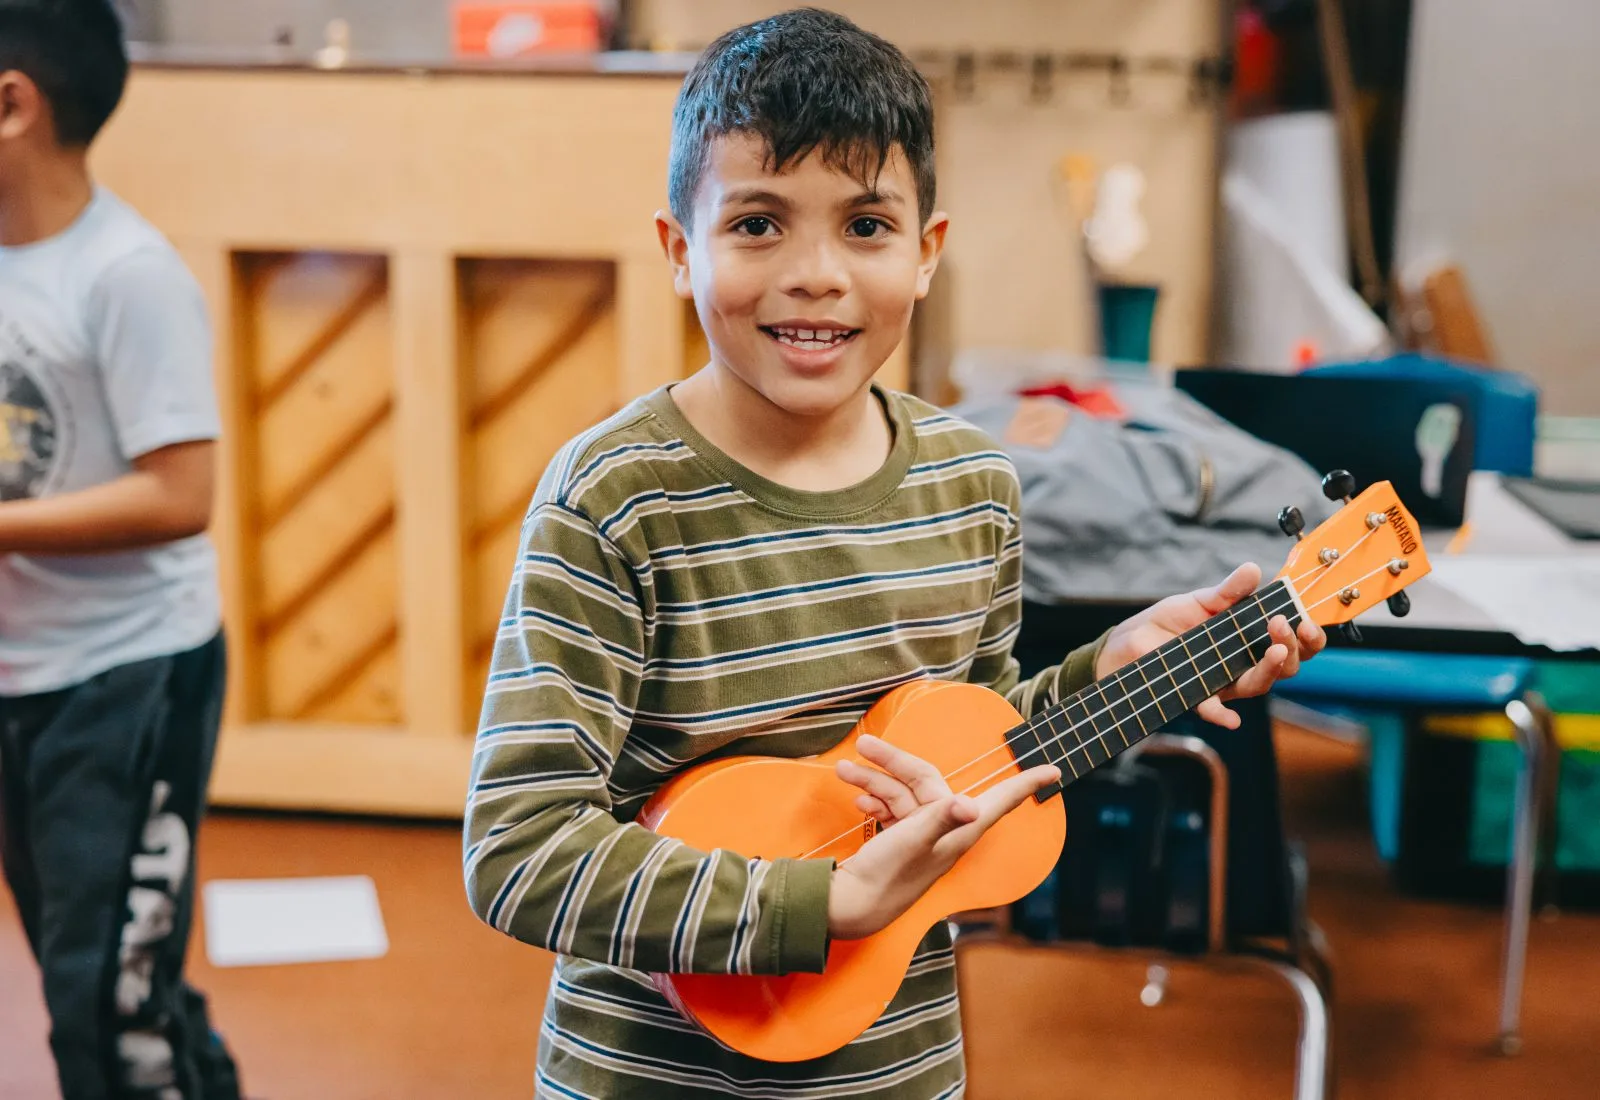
810, 339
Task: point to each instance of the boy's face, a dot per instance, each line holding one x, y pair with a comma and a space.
804, 281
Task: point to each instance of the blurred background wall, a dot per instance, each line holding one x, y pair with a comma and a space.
1500, 169
1499, 162
1014, 274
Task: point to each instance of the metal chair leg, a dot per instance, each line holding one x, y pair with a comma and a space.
1311, 1063
1519, 873
1155, 985
1317, 958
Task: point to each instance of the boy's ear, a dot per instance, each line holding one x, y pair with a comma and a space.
675, 243
20, 104
932, 249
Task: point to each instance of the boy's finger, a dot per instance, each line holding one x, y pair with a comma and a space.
874, 808
922, 777
1259, 678
1282, 635
1007, 795
996, 802
1214, 712
1238, 584
894, 795
942, 823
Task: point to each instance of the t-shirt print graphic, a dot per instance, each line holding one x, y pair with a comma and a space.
29, 433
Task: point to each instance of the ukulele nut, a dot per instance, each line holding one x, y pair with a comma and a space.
1376, 520
1398, 566
1349, 596
1328, 556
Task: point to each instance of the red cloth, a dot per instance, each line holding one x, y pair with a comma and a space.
1096, 401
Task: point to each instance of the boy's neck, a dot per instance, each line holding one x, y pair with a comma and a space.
44, 198
814, 453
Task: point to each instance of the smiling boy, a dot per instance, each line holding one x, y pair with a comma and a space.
743, 563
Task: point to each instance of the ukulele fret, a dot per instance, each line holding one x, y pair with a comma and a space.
1155, 700
1089, 728
1105, 705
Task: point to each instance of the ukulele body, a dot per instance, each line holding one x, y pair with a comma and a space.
769, 808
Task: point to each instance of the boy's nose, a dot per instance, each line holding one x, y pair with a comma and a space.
818, 270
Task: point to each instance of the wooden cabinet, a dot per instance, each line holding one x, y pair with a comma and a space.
421, 286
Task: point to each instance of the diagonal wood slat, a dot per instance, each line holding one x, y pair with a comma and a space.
337, 562
323, 417
369, 295
586, 318
511, 514
292, 497
540, 343
335, 682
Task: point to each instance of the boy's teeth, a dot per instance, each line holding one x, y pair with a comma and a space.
811, 339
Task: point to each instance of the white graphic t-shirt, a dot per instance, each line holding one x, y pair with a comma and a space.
105, 355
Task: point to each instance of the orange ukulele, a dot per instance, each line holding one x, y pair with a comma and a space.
769, 808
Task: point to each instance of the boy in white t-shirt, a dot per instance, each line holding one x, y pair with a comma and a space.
111, 652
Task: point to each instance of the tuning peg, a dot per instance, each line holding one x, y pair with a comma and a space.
1350, 633
1400, 605
1339, 485
1291, 522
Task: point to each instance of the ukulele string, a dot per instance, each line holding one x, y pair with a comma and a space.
1084, 745
1116, 677
1327, 567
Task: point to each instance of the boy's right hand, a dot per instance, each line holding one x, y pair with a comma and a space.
932, 828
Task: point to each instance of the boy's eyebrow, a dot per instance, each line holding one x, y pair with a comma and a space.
874, 197
755, 196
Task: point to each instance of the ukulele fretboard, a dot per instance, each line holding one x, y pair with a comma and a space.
1087, 729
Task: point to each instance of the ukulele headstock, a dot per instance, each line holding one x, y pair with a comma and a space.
1367, 551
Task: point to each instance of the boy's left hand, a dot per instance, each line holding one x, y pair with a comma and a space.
1172, 616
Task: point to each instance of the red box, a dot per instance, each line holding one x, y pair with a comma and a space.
523, 29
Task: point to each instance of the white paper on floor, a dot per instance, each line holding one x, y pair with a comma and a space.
261, 922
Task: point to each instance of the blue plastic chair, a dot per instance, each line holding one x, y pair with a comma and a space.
1365, 683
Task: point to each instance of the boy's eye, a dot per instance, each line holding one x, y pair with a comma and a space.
754, 226
868, 227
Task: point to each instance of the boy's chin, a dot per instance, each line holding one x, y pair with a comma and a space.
811, 396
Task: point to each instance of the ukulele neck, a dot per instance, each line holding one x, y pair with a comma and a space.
1088, 729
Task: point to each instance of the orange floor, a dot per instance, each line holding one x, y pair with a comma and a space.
452, 1011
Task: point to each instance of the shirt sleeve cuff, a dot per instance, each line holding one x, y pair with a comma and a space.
803, 927
140, 440
1077, 671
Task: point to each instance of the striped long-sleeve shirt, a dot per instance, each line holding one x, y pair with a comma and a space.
669, 605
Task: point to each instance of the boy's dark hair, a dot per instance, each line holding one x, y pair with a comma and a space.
73, 51
804, 80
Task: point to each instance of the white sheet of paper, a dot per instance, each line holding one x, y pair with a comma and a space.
261, 922
1551, 601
